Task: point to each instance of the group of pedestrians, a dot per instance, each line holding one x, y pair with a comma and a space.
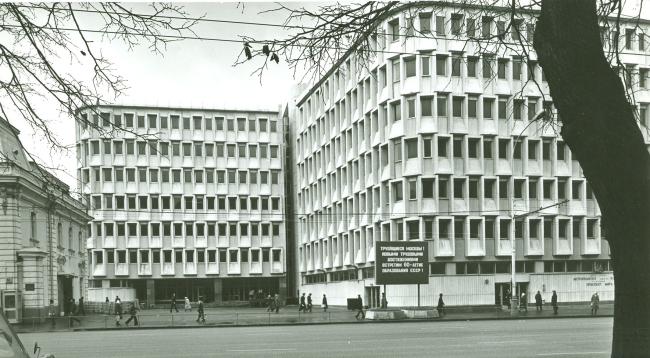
71, 310
305, 306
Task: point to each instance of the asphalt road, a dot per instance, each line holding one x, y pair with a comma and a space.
571, 337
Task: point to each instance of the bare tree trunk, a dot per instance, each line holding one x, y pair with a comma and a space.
600, 128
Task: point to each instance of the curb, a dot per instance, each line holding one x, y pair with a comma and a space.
410, 320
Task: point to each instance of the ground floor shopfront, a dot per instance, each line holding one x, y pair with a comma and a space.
468, 290
210, 290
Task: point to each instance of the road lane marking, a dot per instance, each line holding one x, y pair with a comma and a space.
572, 353
261, 350
499, 342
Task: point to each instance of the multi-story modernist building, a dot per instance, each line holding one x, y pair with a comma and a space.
42, 235
186, 201
435, 141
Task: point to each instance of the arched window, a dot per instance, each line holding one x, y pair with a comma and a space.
59, 234
33, 225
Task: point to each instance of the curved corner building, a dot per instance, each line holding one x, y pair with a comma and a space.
436, 141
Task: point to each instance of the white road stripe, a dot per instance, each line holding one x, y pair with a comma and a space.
260, 350
572, 353
499, 342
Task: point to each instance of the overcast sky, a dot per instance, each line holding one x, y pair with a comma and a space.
190, 73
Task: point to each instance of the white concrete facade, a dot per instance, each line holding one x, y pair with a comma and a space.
184, 200
436, 141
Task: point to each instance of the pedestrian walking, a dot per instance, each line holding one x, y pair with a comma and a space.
441, 306
508, 298
309, 303
173, 304
303, 306
136, 302
523, 305
71, 312
384, 303
118, 310
360, 308
277, 303
52, 313
538, 301
554, 303
81, 308
188, 305
201, 317
324, 303
595, 301
270, 303
133, 313
107, 306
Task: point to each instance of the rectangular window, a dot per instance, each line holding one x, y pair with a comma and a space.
487, 148
409, 65
426, 65
426, 106
428, 187
457, 106
471, 107
471, 66
459, 188
516, 69
411, 148
443, 143
442, 106
501, 70
488, 107
440, 25
441, 65
456, 61
487, 67
425, 23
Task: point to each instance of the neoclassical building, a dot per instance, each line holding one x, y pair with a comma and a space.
42, 235
436, 140
184, 200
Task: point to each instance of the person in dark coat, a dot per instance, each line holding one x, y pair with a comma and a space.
277, 303
73, 309
508, 297
303, 306
360, 308
523, 304
595, 302
201, 317
52, 313
538, 301
309, 303
384, 303
554, 302
324, 303
118, 310
133, 312
441, 306
270, 302
173, 304
81, 309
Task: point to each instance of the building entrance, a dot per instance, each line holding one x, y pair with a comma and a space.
65, 292
500, 293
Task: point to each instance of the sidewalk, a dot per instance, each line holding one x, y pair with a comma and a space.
244, 316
